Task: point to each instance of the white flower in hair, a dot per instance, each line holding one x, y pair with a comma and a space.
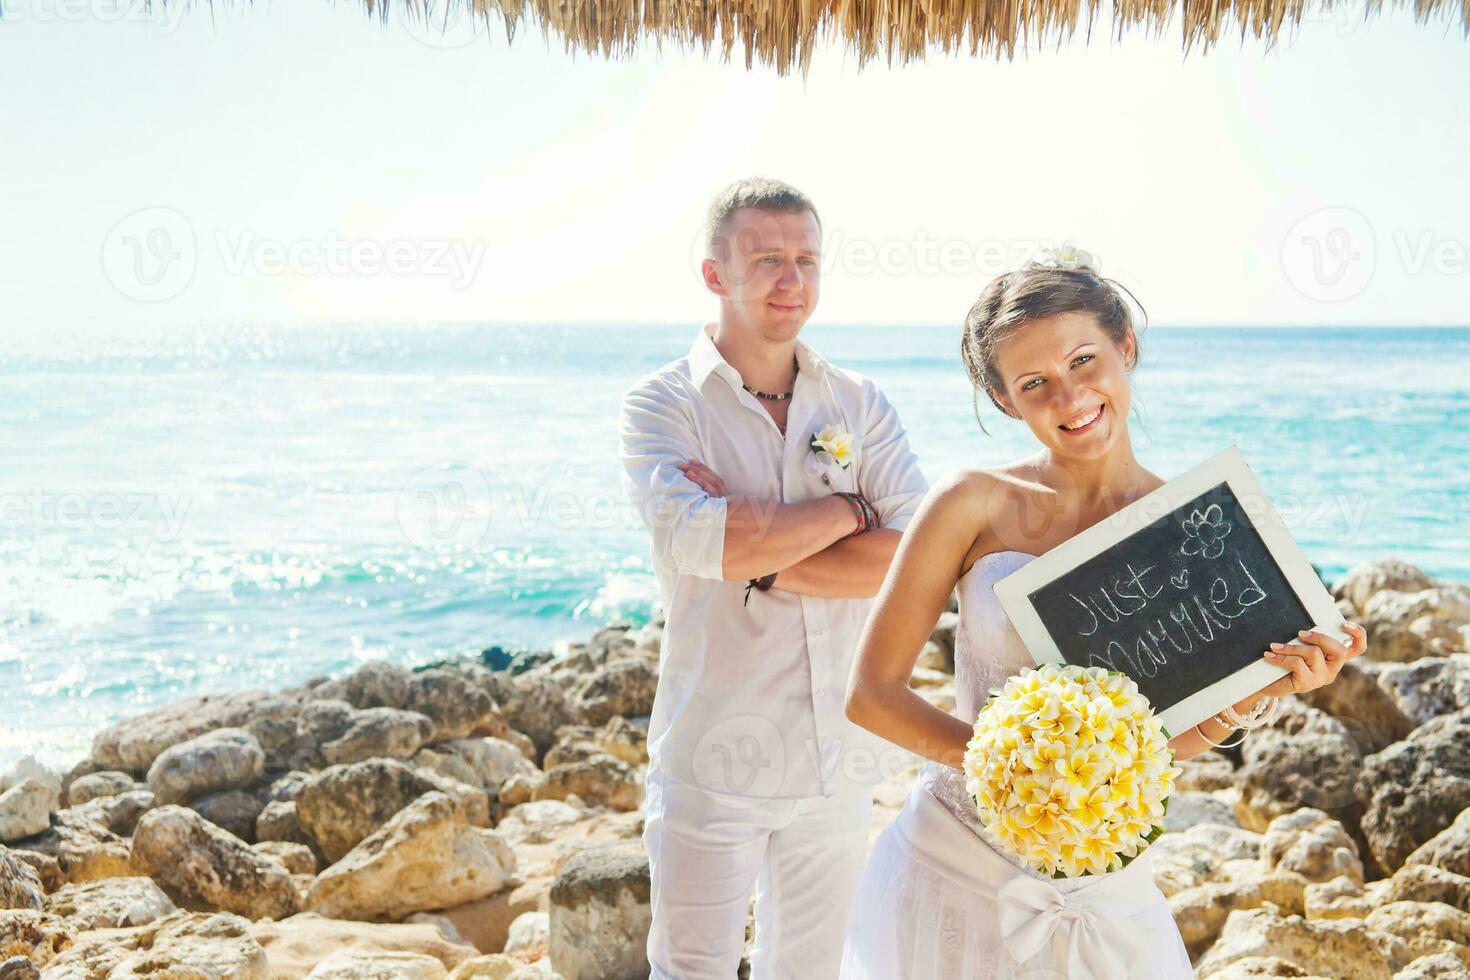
1066, 256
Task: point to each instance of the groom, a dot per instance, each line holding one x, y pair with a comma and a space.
767, 555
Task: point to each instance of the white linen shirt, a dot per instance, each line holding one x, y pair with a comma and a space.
750, 697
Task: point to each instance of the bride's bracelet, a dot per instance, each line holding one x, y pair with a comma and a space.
1258, 717
1221, 745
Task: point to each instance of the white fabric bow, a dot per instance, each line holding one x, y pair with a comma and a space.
1032, 910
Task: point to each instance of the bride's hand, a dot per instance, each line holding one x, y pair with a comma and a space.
1314, 662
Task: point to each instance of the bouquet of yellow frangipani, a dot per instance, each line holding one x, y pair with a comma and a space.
1070, 769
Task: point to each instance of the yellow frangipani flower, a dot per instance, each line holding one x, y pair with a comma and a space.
1069, 768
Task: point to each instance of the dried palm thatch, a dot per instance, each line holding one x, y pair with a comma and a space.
783, 33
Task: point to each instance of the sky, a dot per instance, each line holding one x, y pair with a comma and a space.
302, 163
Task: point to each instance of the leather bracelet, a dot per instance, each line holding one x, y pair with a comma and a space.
762, 584
858, 510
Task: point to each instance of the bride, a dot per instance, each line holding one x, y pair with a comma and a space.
1051, 345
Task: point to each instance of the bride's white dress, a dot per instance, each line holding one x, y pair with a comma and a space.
942, 900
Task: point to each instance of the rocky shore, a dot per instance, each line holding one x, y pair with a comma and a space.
481, 819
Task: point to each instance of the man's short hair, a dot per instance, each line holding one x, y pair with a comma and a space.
761, 193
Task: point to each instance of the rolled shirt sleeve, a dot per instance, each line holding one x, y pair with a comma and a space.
687, 524
889, 472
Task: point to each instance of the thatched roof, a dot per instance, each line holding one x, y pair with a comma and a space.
782, 33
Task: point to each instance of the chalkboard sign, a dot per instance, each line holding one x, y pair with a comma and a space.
1182, 590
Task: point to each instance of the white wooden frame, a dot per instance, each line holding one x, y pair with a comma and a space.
1227, 467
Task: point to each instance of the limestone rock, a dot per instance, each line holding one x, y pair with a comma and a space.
376, 684
38, 936
600, 915
483, 762
1366, 579
536, 704
625, 688
120, 812
44, 866
298, 945
1263, 968
1448, 849
234, 810
1356, 697
1428, 687
1200, 912
111, 903
280, 821
133, 745
204, 868
83, 848
1313, 844
1439, 966
1329, 947
1424, 926
295, 858
538, 822
1207, 771
379, 733
183, 945
108, 782
349, 965
1185, 859
1416, 788
457, 706
600, 780
226, 758
1340, 898
529, 931
1191, 807
1425, 883
25, 810
19, 968
427, 856
20, 886
346, 803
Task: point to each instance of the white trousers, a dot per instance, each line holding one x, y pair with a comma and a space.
707, 851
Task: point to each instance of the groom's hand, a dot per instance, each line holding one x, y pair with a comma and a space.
706, 478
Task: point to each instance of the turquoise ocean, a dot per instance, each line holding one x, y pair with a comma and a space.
223, 510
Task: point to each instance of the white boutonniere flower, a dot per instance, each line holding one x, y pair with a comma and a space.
830, 446
1066, 256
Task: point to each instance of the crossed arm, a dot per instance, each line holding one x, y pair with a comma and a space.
809, 545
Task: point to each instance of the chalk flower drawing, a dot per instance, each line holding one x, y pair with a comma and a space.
830, 447
1204, 534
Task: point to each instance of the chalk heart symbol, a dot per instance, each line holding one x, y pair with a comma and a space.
1181, 580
